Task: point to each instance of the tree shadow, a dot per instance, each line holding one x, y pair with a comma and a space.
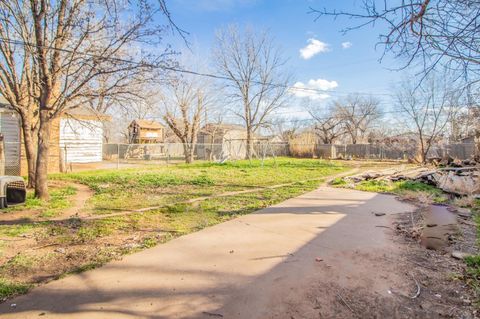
236, 269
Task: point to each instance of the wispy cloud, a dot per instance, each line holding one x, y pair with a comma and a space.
313, 89
313, 48
347, 45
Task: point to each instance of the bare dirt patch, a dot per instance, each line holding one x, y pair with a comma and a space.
408, 282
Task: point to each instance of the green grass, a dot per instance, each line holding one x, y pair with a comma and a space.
59, 201
473, 262
101, 240
128, 189
16, 230
401, 188
8, 288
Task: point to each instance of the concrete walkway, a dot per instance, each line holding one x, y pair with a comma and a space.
256, 266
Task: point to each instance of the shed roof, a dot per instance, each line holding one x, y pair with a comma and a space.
86, 113
148, 124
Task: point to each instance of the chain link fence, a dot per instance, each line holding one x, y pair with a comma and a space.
121, 154
81, 157
379, 151
11, 158
131, 154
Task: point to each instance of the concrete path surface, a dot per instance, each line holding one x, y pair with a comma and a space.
256, 266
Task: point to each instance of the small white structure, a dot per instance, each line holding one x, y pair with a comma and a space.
10, 129
81, 136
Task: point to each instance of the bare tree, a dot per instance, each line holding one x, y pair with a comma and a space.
285, 128
434, 33
329, 125
427, 110
255, 79
357, 114
18, 76
185, 101
72, 43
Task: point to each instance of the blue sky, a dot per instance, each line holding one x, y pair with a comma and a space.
347, 68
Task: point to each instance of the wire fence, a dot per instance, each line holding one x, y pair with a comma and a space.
11, 159
177, 152
119, 154
79, 156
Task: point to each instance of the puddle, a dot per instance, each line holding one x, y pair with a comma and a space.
439, 223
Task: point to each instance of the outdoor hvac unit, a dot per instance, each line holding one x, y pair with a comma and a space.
12, 188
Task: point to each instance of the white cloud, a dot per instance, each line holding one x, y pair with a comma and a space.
313, 47
312, 89
347, 45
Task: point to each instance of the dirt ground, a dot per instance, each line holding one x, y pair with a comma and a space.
324, 254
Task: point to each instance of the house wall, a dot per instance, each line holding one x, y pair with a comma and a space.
81, 140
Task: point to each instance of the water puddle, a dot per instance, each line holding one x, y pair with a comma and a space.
439, 223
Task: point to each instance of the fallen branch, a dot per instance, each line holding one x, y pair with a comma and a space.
345, 303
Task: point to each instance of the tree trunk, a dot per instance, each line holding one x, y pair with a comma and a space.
249, 149
188, 153
29, 144
41, 186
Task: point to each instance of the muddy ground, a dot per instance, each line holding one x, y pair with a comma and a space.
430, 282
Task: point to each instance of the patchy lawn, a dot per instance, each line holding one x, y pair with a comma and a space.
473, 262
405, 189
36, 245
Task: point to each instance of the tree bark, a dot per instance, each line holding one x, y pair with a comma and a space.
188, 153
41, 186
29, 144
249, 149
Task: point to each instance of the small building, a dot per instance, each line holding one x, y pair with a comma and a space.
145, 132
10, 129
76, 137
81, 135
218, 141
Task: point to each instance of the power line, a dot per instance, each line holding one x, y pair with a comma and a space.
186, 71
312, 119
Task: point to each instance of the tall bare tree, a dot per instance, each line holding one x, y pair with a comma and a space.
73, 43
427, 110
284, 128
255, 77
357, 114
329, 125
18, 75
185, 101
434, 33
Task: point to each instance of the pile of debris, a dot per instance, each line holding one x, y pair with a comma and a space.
450, 175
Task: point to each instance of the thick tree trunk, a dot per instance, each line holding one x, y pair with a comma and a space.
30, 153
41, 186
188, 153
249, 150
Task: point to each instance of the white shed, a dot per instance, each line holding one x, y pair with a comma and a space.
10, 129
81, 136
